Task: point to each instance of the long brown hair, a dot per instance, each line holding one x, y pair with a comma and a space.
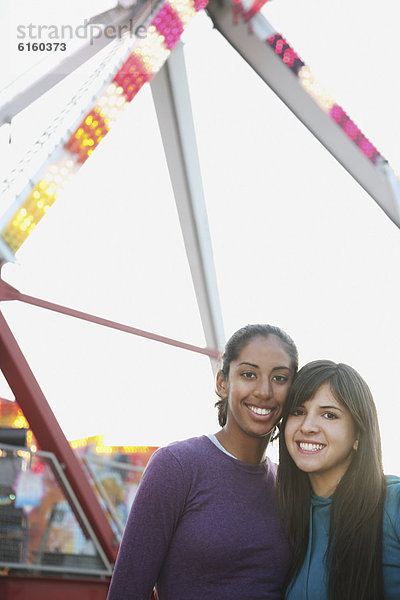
354, 552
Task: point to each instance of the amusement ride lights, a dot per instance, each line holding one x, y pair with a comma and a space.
324, 101
148, 56
38, 202
142, 64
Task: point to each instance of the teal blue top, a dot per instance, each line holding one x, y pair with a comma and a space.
312, 581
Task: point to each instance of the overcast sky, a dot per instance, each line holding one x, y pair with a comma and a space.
296, 241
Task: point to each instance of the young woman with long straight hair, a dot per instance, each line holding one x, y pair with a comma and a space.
342, 513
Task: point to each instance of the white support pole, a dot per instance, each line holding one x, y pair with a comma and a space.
172, 101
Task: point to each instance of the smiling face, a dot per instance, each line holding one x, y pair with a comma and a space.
321, 438
256, 388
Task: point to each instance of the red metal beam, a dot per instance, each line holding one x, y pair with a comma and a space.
7, 292
50, 435
40, 416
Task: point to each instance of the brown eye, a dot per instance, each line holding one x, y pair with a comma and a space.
297, 412
280, 378
330, 416
248, 375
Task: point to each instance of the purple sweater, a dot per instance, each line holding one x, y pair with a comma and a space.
203, 526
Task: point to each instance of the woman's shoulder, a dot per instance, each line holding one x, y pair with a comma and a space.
391, 532
392, 488
184, 450
392, 503
176, 459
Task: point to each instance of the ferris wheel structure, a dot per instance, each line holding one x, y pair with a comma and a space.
139, 43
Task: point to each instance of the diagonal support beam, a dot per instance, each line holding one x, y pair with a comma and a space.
7, 292
172, 101
41, 418
250, 41
118, 20
50, 436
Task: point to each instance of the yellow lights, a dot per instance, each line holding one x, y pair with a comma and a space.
112, 103
25, 454
151, 50
37, 203
101, 448
134, 449
20, 422
29, 441
78, 444
185, 10
315, 89
27, 217
145, 59
84, 442
88, 135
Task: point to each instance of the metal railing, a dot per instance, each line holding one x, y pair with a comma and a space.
42, 526
115, 483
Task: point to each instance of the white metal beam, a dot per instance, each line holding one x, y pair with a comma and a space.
44, 78
172, 101
249, 39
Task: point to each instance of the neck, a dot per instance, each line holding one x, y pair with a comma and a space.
322, 486
246, 449
325, 484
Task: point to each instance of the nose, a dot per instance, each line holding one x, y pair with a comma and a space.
263, 389
309, 424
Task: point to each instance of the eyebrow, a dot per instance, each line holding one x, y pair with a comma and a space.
249, 364
326, 407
